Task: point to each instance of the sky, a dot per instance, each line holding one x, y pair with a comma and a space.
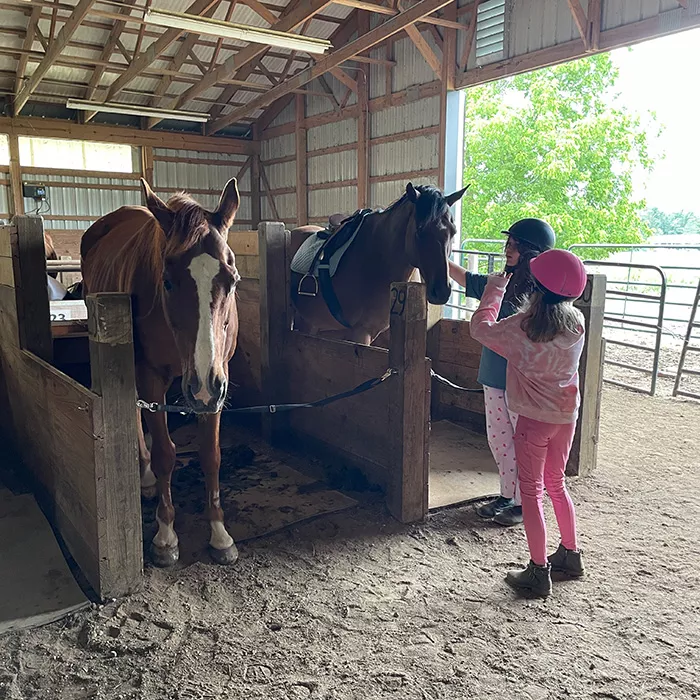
661, 76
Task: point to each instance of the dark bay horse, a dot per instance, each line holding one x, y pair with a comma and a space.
414, 233
174, 261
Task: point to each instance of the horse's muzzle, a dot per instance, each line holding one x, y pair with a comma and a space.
207, 399
439, 294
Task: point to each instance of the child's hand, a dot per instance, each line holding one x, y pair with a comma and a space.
502, 275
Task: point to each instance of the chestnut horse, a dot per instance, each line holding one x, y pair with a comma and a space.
414, 233
174, 261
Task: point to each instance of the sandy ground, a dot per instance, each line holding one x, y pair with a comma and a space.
355, 606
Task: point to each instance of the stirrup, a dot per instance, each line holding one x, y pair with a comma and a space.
303, 293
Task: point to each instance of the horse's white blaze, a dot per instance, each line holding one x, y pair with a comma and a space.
165, 537
220, 539
203, 269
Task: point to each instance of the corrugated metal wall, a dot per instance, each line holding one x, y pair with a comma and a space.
204, 175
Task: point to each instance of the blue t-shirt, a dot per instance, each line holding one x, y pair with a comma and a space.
492, 368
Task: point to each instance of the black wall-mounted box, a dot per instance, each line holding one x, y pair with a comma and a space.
34, 191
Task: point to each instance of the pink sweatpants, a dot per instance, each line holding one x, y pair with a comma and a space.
542, 451
500, 430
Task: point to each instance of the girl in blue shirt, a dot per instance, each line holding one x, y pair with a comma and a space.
527, 238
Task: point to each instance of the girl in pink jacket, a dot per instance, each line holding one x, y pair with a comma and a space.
543, 344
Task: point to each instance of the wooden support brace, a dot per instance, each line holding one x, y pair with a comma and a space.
584, 450
255, 178
580, 19
409, 415
15, 177
119, 536
301, 164
33, 317
273, 241
147, 164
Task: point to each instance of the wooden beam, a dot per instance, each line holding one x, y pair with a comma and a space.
261, 10
625, 35
147, 164
17, 201
268, 192
26, 46
362, 43
301, 162
255, 178
340, 75
580, 19
55, 49
447, 73
108, 50
363, 160
64, 129
393, 11
145, 59
595, 20
425, 50
306, 9
469, 38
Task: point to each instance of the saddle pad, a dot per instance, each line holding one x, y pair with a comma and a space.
304, 257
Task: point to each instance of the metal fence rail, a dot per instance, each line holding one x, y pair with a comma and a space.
689, 346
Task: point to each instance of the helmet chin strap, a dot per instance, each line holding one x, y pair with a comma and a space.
510, 268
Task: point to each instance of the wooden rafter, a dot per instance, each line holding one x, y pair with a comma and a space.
27, 45
64, 35
261, 10
340, 37
393, 11
362, 43
108, 50
147, 57
425, 49
595, 19
304, 10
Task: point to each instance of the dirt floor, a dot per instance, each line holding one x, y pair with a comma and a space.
356, 606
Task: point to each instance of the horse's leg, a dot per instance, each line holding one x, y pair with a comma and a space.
152, 388
148, 478
221, 545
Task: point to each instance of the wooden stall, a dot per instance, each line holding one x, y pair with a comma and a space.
79, 445
455, 355
383, 432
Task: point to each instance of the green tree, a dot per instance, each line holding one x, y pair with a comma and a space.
672, 224
553, 144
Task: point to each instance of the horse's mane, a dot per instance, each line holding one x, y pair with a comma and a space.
431, 204
149, 247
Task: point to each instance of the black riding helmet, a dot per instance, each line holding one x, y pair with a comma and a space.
536, 232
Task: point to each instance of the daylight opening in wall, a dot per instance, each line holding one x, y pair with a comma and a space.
76, 155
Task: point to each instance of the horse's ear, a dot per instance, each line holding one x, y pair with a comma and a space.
228, 206
157, 207
412, 192
456, 196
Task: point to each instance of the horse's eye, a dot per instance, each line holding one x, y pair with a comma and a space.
167, 285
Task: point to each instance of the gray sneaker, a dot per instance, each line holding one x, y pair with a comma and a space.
567, 561
493, 508
534, 580
512, 515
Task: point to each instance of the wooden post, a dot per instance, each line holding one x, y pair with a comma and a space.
409, 420
273, 240
255, 179
30, 275
447, 84
584, 451
363, 143
433, 352
119, 533
301, 162
147, 164
17, 201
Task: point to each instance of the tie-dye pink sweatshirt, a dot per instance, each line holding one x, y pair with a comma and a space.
541, 378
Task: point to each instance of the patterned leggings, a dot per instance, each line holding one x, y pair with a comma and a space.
500, 430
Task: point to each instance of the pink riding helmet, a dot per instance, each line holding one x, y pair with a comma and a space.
561, 272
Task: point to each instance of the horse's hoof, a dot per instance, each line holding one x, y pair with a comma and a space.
226, 556
164, 556
149, 493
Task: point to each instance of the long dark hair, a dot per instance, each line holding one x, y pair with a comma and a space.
522, 283
548, 315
